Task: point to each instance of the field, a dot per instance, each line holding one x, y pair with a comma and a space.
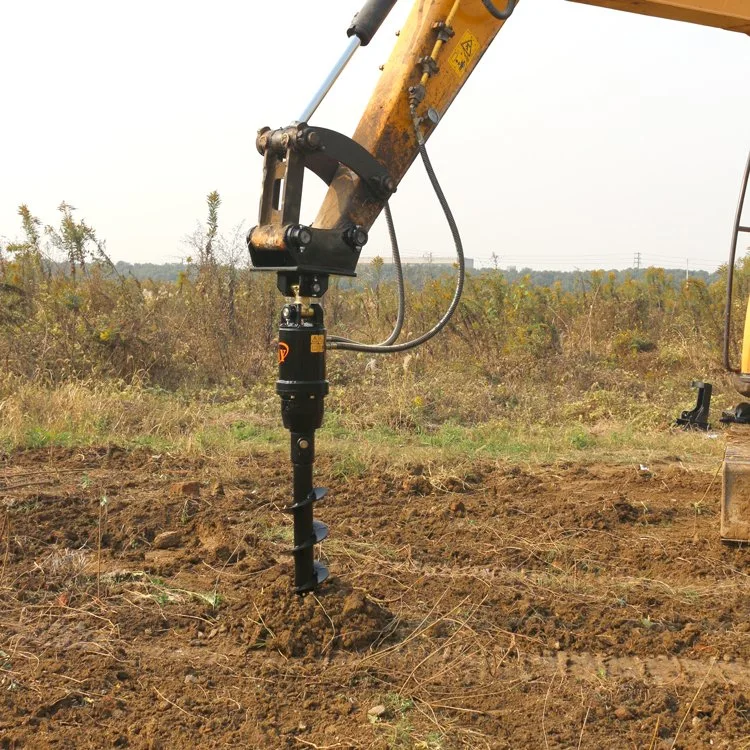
473, 603
524, 553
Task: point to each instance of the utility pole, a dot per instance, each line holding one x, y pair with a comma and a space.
637, 261
687, 269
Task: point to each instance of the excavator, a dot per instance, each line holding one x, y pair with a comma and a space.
437, 50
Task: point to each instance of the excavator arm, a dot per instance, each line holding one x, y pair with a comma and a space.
732, 15
437, 50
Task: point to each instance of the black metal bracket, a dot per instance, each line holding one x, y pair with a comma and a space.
280, 242
697, 418
739, 415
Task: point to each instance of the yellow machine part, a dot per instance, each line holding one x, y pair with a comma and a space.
442, 66
745, 362
735, 491
735, 494
733, 15
386, 128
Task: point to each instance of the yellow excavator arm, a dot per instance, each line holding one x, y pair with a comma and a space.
437, 50
732, 15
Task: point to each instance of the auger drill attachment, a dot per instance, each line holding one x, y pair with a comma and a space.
302, 386
303, 257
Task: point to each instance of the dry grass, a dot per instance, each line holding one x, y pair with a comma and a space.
357, 429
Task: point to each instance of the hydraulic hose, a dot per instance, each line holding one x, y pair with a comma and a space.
406, 345
395, 253
501, 15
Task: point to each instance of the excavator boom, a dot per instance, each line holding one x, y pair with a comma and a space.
440, 45
732, 15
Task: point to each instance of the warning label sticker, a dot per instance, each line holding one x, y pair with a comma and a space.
317, 343
463, 53
283, 351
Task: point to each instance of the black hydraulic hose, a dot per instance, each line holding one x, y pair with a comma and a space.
405, 346
396, 332
501, 15
396, 254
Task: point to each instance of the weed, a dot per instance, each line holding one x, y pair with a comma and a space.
39, 437
245, 432
349, 466
277, 534
432, 741
163, 593
398, 704
580, 439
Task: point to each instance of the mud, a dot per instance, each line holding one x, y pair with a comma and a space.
145, 602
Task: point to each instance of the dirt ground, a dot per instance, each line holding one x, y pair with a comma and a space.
502, 606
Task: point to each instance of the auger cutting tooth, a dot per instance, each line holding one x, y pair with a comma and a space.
320, 572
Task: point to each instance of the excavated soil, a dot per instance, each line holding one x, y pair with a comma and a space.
145, 602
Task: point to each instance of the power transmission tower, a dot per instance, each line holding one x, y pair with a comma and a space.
637, 261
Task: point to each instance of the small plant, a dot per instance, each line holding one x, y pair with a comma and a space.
398, 704
348, 466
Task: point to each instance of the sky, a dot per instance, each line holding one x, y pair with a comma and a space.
612, 134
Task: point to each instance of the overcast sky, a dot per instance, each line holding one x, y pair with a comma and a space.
613, 134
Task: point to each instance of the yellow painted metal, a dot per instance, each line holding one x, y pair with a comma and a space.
735, 493
386, 129
745, 362
733, 15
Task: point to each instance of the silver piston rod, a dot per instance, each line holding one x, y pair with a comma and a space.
326, 86
363, 27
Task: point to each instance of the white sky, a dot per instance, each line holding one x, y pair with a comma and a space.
612, 133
